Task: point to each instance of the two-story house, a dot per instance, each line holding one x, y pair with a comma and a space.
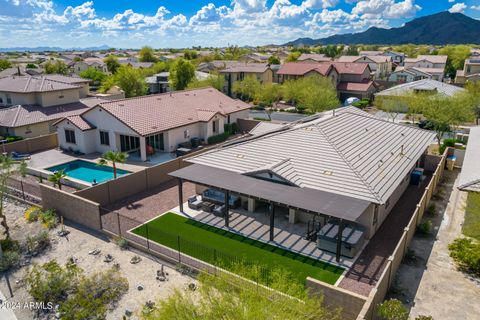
238, 72
470, 72
431, 64
380, 65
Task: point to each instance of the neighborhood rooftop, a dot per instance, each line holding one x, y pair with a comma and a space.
348, 153
27, 84
421, 85
470, 175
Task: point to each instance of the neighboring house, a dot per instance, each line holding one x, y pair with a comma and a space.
346, 166
158, 83
96, 63
370, 53
254, 58
238, 72
296, 70
470, 72
313, 57
20, 71
402, 74
425, 85
137, 65
380, 66
161, 121
470, 175
398, 58
434, 63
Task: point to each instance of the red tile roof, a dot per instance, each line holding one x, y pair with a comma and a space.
354, 86
350, 67
155, 113
301, 68
78, 122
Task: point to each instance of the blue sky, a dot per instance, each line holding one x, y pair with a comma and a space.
185, 23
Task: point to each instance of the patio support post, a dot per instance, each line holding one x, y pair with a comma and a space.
180, 194
339, 240
227, 208
272, 219
143, 149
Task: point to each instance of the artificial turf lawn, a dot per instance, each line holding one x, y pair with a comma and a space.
170, 225
471, 226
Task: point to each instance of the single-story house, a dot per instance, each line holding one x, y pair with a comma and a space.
313, 57
424, 85
409, 74
157, 122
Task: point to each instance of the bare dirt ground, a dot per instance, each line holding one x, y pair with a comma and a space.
431, 284
77, 245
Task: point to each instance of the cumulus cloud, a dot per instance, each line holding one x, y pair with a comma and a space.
387, 8
457, 7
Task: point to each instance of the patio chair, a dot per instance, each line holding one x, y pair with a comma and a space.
219, 210
20, 156
194, 203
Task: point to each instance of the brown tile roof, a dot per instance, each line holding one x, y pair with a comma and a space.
66, 79
376, 59
155, 113
247, 68
23, 115
350, 68
26, 84
431, 58
301, 68
314, 56
355, 86
78, 122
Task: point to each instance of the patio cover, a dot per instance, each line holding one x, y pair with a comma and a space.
308, 199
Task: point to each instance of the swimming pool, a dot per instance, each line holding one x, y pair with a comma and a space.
87, 171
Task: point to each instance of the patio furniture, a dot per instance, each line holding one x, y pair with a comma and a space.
352, 238
183, 151
218, 197
220, 210
207, 206
194, 203
20, 156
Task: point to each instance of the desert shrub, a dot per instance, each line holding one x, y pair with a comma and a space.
38, 242
362, 104
9, 245
9, 260
49, 218
421, 317
32, 214
122, 243
466, 254
392, 309
425, 227
431, 209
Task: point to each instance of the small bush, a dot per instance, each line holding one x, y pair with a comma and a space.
122, 243
466, 254
9, 245
425, 227
9, 260
420, 317
38, 242
446, 143
49, 219
13, 138
362, 104
32, 214
392, 309
218, 138
431, 209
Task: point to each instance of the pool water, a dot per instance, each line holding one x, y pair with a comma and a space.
87, 171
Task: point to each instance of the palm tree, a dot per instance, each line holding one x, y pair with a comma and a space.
56, 178
114, 157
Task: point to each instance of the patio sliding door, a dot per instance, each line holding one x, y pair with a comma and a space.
156, 141
129, 143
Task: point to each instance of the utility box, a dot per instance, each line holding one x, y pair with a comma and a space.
451, 162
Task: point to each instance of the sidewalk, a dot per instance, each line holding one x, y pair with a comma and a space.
6, 314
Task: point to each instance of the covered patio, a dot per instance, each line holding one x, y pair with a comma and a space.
339, 211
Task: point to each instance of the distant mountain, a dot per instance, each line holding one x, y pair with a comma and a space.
436, 29
56, 49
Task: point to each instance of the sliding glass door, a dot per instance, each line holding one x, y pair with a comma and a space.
129, 143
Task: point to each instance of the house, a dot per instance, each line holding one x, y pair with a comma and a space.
254, 58
157, 122
470, 72
33, 103
409, 74
398, 58
159, 83
470, 175
237, 72
313, 57
344, 167
434, 63
296, 70
82, 65
424, 85
137, 65
20, 71
380, 66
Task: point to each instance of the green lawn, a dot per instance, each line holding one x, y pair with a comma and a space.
471, 226
194, 235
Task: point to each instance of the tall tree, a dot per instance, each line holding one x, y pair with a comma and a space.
56, 178
182, 72
112, 63
129, 79
248, 88
214, 80
93, 74
146, 54
5, 64
273, 60
57, 67
113, 157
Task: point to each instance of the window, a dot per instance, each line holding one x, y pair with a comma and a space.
9, 99
228, 119
156, 141
1, 100
70, 136
402, 78
214, 126
186, 134
129, 143
104, 138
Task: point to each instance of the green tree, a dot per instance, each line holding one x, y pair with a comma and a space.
5, 64
56, 67
182, 72
190, 54
129, 79
273, 60
146, 54
113, 157
56, 178
112, 63
269, 94
456, 57
248, 88
93, 74
473, 96
293, 56
352, 51
8, 168
214, 80
392, 309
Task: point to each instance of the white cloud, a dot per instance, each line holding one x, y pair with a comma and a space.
319, 4
387, 8
457, 7
451, 1
475, 7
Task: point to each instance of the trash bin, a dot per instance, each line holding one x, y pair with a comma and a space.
451, 162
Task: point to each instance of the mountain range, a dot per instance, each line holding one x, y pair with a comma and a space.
436, 29
54, 49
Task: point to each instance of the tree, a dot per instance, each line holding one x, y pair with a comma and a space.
190, 54
114, 157
146, 55
352, 51
269, 94
181, 73
93, 74
112, 63
248, 88
5, 64
214, 80
392, 309
57, 67
273, 60
8, 168
293, 56
473, 96
56, 178
129, 79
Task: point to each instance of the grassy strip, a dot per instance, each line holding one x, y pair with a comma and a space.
199, 240
471, 226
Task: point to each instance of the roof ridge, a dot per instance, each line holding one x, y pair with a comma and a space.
15, 118
369, 187
27, 84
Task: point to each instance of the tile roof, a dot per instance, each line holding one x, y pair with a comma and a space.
27, 84
424, 84
431, 58
247, 67
301, 68
350, 68
376, 59
355, 86
155, 113
350, 153
23, 115
314, 56
78, 122
470, 175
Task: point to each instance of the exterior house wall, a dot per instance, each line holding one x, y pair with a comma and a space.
53, 98
81, 139
234, 116
17, 98
31, 131
176, 136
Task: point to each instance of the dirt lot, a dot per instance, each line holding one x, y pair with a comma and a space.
432, 285
77, 245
